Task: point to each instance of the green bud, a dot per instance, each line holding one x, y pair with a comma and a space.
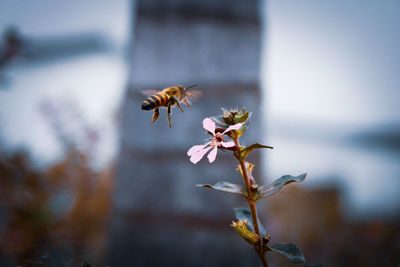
234, 116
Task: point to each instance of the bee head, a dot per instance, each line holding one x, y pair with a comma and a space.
181, 89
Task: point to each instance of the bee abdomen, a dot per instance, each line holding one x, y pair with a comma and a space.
163, 98
147, 105
154, 101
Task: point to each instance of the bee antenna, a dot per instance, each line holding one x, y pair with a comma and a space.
191, 86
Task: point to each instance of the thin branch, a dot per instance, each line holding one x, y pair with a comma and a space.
252, 203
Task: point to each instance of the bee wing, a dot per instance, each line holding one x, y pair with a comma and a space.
149, 92
193, 95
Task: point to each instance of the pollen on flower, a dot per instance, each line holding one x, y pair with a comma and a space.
219, 137
216, 140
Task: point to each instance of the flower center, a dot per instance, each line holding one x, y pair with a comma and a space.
219, 137
216, 140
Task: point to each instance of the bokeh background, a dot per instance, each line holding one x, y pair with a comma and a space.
84, 177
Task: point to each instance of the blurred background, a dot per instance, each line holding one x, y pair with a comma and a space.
84, 177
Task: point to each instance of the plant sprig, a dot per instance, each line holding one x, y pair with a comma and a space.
232, 124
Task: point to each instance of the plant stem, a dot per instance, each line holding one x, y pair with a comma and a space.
263, 259
253, 210
252, 203
242, 165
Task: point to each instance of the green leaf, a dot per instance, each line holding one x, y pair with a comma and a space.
248, 149
290, 251
226, 187
245, 214
272, 188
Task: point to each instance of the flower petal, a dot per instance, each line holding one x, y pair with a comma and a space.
198, 155
194, 149
209, 125
233, 127
212, 155
228, 144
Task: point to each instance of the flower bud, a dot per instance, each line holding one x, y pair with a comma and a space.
241, 116
241, 227
234, 116
254, 188
229, 116
266, 238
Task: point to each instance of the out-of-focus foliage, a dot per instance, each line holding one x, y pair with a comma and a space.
59, 214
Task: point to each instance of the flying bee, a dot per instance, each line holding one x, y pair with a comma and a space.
168, 98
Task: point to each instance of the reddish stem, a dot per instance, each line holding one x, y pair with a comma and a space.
251, 201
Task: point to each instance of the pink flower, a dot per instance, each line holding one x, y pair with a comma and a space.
196, 153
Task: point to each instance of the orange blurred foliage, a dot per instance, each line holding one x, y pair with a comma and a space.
63, 210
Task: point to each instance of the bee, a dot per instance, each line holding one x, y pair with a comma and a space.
168, 98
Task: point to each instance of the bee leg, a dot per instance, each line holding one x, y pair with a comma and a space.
169, 114
187, 104
179, 106
174, 101
155, 115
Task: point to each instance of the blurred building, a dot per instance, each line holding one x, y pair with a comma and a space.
161, 218
315, 219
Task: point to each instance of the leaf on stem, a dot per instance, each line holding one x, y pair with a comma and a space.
245, 152
226, 187
290, 251
272, 188
245, 214
244, 126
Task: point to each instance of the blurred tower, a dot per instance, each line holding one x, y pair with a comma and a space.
161, 218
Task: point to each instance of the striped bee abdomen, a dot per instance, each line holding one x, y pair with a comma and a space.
155, 101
